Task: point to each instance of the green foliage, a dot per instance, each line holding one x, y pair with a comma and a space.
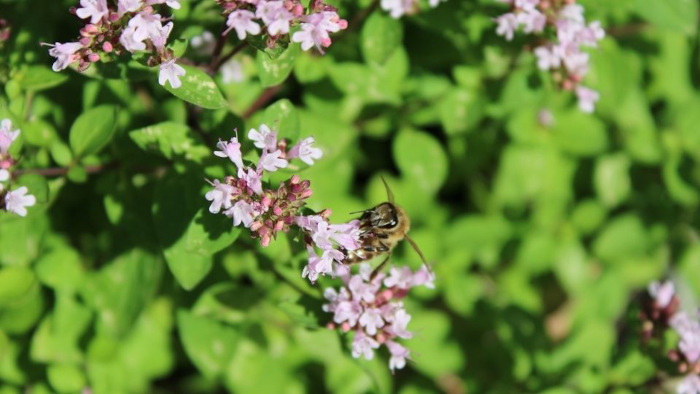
541, 235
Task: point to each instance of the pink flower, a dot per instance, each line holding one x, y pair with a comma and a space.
124, 6
689, 385
130, 41
305, 151
397, 8
275, 16
160, 34
586, 98
507, 25
361, 290
96, 10
401, 278
399, 354
346, 235
7, 136
171, 72
399, 322
272, 161
220, 196
423, 277
371, 320
264, 139
242, 212
232, 150
533, 21
547, 58
662, 293
174, 4
242, 22
65, 54
252, 178
363, 345
315, 28
18, 200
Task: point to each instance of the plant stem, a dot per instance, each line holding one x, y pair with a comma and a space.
266, 96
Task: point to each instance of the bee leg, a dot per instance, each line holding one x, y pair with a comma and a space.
379, 268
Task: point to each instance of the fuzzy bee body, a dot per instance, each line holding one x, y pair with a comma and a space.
381, 229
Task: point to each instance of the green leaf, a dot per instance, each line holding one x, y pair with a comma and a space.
61, 269
681, 15
36, 78
283, 118
189, 234
208, 343
624, 238
92, 130
15, 283
460, 110
421, 158
612, 180
172, 140
273, 71
198, 88
579, 134
381, 35
66, 378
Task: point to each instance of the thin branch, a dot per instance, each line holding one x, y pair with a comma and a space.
220, 43
216, 66
266, 96
61, 171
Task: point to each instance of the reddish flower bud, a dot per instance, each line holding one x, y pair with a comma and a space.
107, 47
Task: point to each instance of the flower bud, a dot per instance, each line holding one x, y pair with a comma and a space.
107, 47
345, 327
277, 211
279, 225
84, 41
255, 226
306, 194
265, 241
93, 57
294, 180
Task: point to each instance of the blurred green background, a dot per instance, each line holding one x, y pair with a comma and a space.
541, 236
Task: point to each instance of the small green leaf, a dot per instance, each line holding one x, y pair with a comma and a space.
273, 71
579, 134
611, 178
172, 140
208, 343
66, 378
679, 15
92, 130
460, 110
198, 88
381, 35
36, 78
422, 159
15, 283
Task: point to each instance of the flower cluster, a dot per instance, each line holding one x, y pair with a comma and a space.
278, 17
242, 197
132, 26
370, 306
563, 55
334, 240
15, 201
663, 312
399, 8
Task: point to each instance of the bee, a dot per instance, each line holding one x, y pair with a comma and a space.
381, 229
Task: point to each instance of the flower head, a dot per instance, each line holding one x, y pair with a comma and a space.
242, 22
17, 201
305, 151
96, 10
65, 54
171, 72
7, 136
232, 150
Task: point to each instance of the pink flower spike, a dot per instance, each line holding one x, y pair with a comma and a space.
171, 72
18, 200
96, 10
305, 151
7, 136
242, 22
232, 150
